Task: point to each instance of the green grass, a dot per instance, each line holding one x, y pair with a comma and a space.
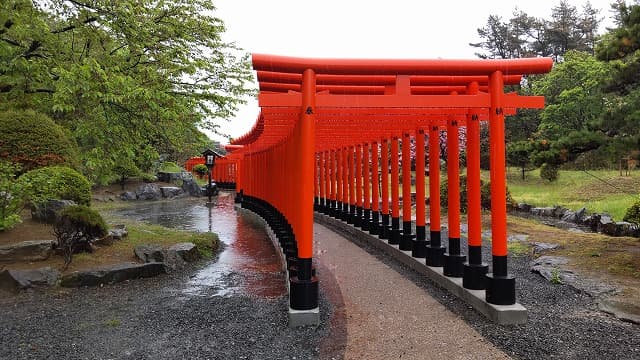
597, 190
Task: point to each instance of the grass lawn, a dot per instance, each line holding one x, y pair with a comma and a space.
597, 190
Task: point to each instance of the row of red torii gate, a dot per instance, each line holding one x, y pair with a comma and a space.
335, 136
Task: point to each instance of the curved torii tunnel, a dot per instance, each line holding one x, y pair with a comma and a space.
334, 136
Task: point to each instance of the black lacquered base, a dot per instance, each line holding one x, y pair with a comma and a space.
419, 249
474, 276
406, 242
435, 256
303, 294
501, 290
394, 236
454, 265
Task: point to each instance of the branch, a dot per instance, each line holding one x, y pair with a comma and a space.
71, 27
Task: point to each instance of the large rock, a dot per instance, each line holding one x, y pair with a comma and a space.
148, 192
14, 280
128, 196
118, 232
171, 191
551, 268
192, 188
569, 216
113, 274
31, 250
524, 207
48, 212
149, 253
606, 225
559, 211
186, 251
624, 228
542, 211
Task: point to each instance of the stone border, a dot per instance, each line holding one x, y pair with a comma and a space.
597, 223
501, 314
296, 317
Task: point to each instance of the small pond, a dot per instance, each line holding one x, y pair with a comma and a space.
248, 264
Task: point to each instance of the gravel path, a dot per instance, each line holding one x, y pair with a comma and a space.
152, 319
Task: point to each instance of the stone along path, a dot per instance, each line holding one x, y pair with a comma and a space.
386, 315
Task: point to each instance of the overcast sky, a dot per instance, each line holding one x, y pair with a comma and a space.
366, 29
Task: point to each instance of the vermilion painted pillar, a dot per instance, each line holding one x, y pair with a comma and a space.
344, 212
501, 287
406, 240
475, 270
358, 219
334, 181
395, 193
375, 196
420, 244
435, 250
304, 286
316, 199
323, 192
453, 260
352, 186
366, 188
338, 184
385, 226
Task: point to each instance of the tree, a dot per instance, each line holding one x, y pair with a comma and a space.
121, 74
527, 36
12, 197
518, 154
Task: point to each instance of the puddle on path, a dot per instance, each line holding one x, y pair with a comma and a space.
248, 264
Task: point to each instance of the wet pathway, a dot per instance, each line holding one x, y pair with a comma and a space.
248, 264
387, 315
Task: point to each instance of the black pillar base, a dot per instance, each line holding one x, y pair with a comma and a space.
454, 265
474, 276
366, 219
344, 212
336, 211
357, 220
419, 249
394, 236
303, 294
501, 290
374, 228
406, 242
352, 214
435, 256
385, 232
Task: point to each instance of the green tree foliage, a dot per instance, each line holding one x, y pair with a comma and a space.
141, 76
485, 194
11, 196
549, 172
518, 154
201, 169
33, 140
527, 36
56, 182
75, 228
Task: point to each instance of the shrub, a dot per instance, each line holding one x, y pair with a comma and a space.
75, 228
11, 196
33, 140
485, 194
56, 182
549, 172
633, 213
201, 169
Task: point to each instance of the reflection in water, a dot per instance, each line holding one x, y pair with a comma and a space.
248, 264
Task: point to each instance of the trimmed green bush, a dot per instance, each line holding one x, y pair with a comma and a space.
633, 213
549, 172
201, 169
485, 194
56, 182
75, 228
33, 140
11, 196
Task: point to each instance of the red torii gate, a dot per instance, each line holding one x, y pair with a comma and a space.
325, 129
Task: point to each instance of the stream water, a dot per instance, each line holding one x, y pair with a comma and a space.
248, 264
